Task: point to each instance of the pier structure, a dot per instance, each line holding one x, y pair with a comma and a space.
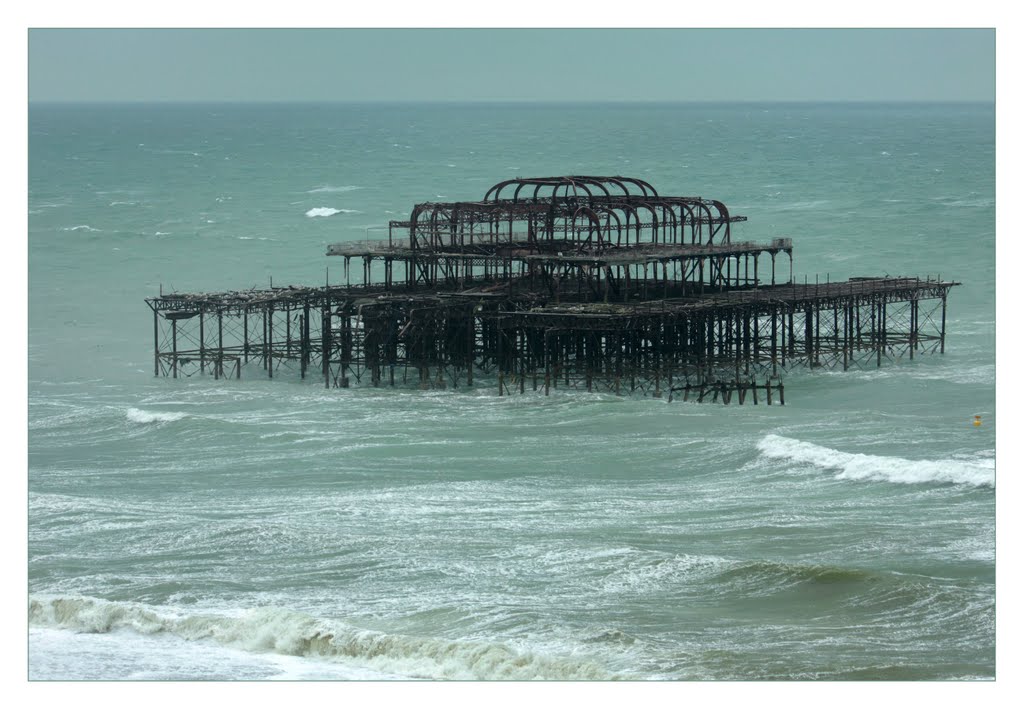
580, 282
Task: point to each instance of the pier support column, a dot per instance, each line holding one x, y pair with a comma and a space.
304, 345
156, 344
883, 321
913, 327
270, 343
219, 367
174, 348
942, 333
325, 343
775, 336
202, 343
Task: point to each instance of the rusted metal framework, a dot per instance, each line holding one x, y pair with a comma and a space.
595, 283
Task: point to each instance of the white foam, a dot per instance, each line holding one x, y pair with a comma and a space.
322, 212
979, 472
280, 631
140, 416
80, 228
332, 188
328, 211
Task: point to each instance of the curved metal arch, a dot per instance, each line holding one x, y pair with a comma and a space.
696, 221
595, 225
654, 216
703, 204
575, 181
610, 210
496, 189
629, 208
414, 218
642, 184
681, 219
435, 236
575, 192
539, 182
686, 217
591, 180
723, 214
667, 207
619, 183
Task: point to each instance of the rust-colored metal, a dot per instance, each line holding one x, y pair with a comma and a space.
578, 281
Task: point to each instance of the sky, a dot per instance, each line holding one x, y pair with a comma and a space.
511, 65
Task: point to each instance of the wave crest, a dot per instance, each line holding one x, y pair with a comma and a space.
140, 416
880, 468
793, 573
328, 212
292, 633
332, 188
322, 212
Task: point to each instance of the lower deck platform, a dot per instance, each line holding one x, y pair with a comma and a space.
731, 345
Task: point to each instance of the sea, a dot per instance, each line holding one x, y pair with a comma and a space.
257, 529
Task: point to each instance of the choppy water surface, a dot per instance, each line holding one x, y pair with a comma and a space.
253, 529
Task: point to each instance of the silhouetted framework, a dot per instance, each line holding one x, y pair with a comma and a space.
593, 283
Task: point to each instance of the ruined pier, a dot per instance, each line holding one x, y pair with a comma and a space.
580, 282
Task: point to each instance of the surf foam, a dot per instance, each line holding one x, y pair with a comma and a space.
291, 633
328, 212
880, 468
140, 416
322, 212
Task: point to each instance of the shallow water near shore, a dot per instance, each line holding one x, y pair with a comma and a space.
254, 529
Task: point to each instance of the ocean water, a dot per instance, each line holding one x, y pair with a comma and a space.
201, 529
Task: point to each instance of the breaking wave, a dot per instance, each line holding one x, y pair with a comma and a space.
327, 212
331, 188
140, 416
880, 468
291, 633
322, 212
80, 228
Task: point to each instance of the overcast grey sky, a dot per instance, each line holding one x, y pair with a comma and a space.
511, 65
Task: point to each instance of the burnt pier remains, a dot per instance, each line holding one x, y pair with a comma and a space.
595, 283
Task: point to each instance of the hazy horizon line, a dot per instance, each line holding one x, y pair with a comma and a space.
133, 102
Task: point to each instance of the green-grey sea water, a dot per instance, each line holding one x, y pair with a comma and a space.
202, 529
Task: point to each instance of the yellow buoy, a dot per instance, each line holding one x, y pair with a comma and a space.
977, 420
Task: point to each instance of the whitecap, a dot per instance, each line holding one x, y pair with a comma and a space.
140, 416
332, 188
322, 212
978, 472
80, 228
